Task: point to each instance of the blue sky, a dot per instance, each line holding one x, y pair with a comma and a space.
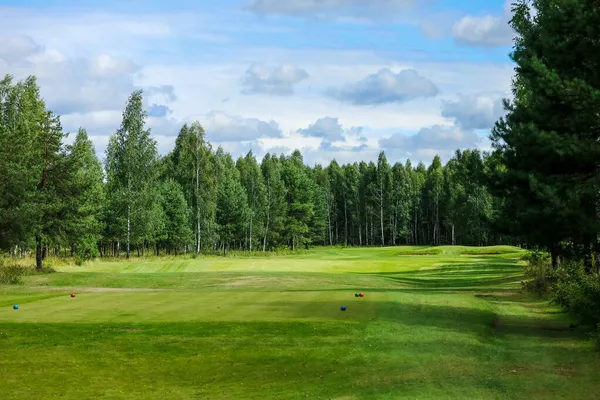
339, 79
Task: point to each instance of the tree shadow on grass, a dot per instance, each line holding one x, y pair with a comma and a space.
456, 276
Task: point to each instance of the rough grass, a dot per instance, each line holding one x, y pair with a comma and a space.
447, 324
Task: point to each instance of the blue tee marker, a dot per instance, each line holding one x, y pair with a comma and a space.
343, 308
16, 306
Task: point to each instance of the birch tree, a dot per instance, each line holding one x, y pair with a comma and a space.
253, 182
275, 194
131, 158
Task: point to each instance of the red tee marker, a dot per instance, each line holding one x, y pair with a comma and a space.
72, 294
362, 294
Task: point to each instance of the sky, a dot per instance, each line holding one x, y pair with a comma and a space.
337, 79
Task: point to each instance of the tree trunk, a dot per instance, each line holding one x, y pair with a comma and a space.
437, 219
359, 232
329, 222
197, 194
453, 241
128, 228
38, 252
266, 231
554, 252
345, 222
381, 219
251, 230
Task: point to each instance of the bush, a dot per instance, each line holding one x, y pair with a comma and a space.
578, 292
11, 274
539, 274
86, 249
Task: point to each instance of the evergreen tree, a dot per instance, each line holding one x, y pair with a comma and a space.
548, 142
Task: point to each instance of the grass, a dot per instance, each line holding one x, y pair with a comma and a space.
435, 323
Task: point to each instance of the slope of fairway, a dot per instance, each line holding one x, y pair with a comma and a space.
435, 323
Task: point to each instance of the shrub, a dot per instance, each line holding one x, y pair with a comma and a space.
578, 292
11, 274
86, 249
539, 274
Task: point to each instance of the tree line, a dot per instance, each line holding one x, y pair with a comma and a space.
60, 199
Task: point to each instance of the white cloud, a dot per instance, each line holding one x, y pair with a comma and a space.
487, 30
384, 87
430, 141
17, 49
279, 80
68, 84
326, 127
87, 65
474, 111
221, 127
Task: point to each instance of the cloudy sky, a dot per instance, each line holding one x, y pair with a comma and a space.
338, 79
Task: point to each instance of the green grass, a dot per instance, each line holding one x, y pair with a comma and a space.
435, 323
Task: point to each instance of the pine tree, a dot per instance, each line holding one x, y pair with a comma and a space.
548, 142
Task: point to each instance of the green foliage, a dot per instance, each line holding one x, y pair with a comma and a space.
578, 291
176, 232
568, 285
11, 273
232, 207
131, 165
252, 180
277, 202
546, 147
540, 276
84, 225
86, 248
194, 168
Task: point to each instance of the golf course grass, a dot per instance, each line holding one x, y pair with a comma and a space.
435, 323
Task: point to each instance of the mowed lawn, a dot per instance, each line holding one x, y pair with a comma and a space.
435, 323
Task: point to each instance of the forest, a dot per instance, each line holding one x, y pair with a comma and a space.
61, 199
